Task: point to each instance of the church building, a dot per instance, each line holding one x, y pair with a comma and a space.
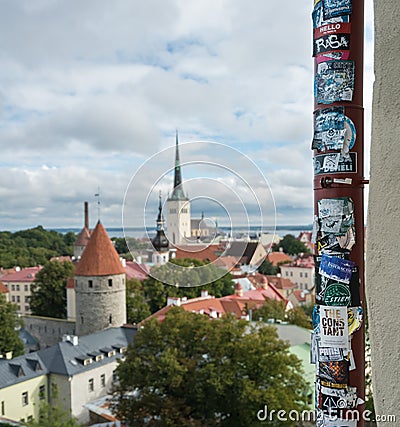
178, 207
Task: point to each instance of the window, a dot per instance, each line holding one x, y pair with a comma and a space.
110, 319
103, 380
291, 274
305, 274
114, 376
42, 392
3, 408
26, 299
301, 274
110, 282
26, 288
27, 308
18, 298
25, 399
90, 283
81, 320
13, 287
13, 298
17, 287
91, 384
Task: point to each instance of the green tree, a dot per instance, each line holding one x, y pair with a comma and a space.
190, 371
271, 309
297, 316
49, 297
188, 281
137, 308
290, 245
34, 246
9, 325
268, 268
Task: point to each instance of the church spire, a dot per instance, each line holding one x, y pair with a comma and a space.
177, 192
160, 241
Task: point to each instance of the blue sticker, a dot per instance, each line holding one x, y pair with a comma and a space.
336, 268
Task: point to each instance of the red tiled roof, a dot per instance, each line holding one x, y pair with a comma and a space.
281, 282
3, 288
227, 262
200, 252
100, 257
83, 237
258, 295
299, 295
276, 258
24, 275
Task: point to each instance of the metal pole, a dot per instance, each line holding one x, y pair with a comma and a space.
344, 181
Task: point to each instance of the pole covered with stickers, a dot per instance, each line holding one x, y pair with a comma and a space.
337, 344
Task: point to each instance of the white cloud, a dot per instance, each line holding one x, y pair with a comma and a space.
92, 89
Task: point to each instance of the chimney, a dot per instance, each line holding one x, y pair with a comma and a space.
87, 215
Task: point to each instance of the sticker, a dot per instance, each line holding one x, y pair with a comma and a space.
334, 374
324, 420
330, 292
332, 398
336, 268
348, 240
332, 28
333, 8
337, 294
355, 316
336, 215
335, 163
316, 320
331, 43
333, 56
329, 129
329, 354
333, 327
334, 81
319, 20
350, 134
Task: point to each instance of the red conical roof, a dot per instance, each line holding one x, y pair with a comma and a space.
100, 257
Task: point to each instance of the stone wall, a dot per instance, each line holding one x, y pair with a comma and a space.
47, 330
383, 224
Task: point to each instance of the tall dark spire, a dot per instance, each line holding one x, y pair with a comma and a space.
160, 241
177, 192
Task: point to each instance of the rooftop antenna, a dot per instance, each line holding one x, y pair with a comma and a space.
98, 203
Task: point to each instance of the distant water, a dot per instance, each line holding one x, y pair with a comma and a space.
139, 232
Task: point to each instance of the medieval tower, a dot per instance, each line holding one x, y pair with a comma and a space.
99, 286
178, 207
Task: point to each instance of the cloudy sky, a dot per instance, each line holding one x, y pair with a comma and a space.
90, 91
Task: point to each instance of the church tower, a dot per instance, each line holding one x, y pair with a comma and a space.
178, 207
99, 286
160, 242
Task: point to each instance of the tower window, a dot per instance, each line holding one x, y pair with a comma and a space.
110, 282
90, 283
110, 319
81, 320
3, 408
91, 384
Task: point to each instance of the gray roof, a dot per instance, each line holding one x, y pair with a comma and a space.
66, 358
21, 368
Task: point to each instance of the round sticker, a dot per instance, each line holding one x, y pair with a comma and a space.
337, 294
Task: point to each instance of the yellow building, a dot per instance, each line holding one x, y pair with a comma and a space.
23, 387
